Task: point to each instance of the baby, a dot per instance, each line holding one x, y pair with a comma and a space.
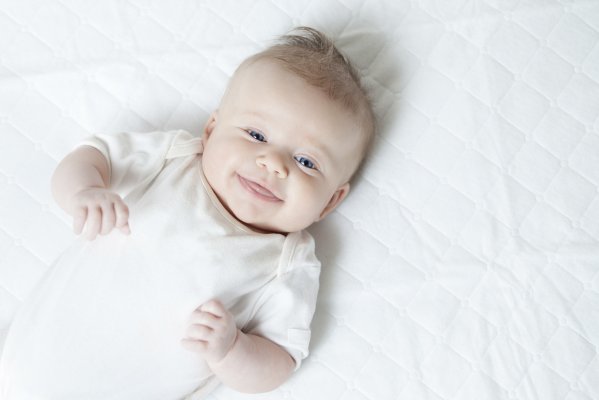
203, 271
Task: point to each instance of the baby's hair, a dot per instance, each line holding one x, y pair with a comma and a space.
312, 56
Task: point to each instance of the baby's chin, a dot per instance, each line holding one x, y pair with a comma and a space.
269, 226
261, 226
265, 229
252, 223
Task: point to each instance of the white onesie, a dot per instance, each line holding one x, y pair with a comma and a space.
107, 319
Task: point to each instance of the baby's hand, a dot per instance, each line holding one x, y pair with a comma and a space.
212, 331
99, 211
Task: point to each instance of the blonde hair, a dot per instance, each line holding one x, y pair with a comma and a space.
312, 56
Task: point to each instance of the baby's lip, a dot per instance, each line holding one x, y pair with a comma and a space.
259, 190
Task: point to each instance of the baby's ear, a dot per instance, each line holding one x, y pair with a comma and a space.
209, 126
336, 199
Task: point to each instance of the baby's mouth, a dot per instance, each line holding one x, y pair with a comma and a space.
258, 190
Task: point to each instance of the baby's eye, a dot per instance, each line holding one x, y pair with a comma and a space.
256, 135
305, 162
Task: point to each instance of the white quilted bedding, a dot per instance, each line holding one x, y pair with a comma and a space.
465, 263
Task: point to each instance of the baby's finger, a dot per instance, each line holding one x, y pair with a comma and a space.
108, 219
204, 318
199, 332
93, 223
125, 229
79, 218
122, 217
214, 307
194, 345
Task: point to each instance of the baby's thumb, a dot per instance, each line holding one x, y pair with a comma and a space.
125, 229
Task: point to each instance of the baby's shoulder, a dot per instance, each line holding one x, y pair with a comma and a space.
184, 143
299, 253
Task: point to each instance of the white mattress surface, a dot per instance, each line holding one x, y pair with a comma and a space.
464, 264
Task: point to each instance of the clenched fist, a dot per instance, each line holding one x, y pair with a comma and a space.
99, 211
212, 331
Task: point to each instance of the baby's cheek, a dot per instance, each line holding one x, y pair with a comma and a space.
303, 212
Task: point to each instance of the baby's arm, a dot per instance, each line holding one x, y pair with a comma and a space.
80, 186
245, 362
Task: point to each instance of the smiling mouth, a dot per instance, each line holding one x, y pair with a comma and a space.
258, 190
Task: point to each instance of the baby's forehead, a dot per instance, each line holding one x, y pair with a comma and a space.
252, 70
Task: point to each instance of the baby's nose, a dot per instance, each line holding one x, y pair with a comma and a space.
274, 163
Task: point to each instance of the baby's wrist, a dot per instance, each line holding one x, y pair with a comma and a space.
222, 360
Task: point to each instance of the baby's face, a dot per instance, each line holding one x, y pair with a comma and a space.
278, 152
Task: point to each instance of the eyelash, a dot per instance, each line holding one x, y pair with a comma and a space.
302, 161
256, 135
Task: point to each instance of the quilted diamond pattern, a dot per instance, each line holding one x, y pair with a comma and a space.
465, 263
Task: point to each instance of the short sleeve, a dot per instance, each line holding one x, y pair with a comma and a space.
134, 158
286, 309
